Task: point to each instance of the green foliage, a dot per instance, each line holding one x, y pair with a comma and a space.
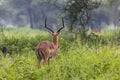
95, 39
16, 42
74, 61
78, 13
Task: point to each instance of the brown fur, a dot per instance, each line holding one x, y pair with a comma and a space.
45, 49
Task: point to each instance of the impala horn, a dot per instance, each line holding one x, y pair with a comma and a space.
46, 25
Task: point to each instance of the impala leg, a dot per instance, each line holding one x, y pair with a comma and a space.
48, 61
39, 58
45, 60
39, 66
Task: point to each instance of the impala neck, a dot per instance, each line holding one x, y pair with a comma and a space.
55, 41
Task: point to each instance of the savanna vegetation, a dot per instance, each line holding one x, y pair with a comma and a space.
96, 57
88, 45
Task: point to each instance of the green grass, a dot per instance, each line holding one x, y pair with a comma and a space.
74, 61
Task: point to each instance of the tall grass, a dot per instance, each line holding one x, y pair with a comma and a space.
74, 61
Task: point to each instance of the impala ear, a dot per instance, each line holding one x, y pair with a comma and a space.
59, 33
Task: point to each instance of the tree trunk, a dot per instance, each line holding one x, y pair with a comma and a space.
30, 13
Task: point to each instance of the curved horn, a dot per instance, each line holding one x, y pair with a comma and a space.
61, 27
46, 25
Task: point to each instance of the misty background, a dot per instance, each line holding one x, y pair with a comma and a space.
32, 13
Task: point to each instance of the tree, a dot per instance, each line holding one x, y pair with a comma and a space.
24, 7
116, 11
4, 13
32, 11
28, 12
78, 13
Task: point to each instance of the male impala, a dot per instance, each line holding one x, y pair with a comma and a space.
46, 49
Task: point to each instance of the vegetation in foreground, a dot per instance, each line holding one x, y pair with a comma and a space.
96, 58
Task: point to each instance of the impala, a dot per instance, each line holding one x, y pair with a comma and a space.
46, 49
